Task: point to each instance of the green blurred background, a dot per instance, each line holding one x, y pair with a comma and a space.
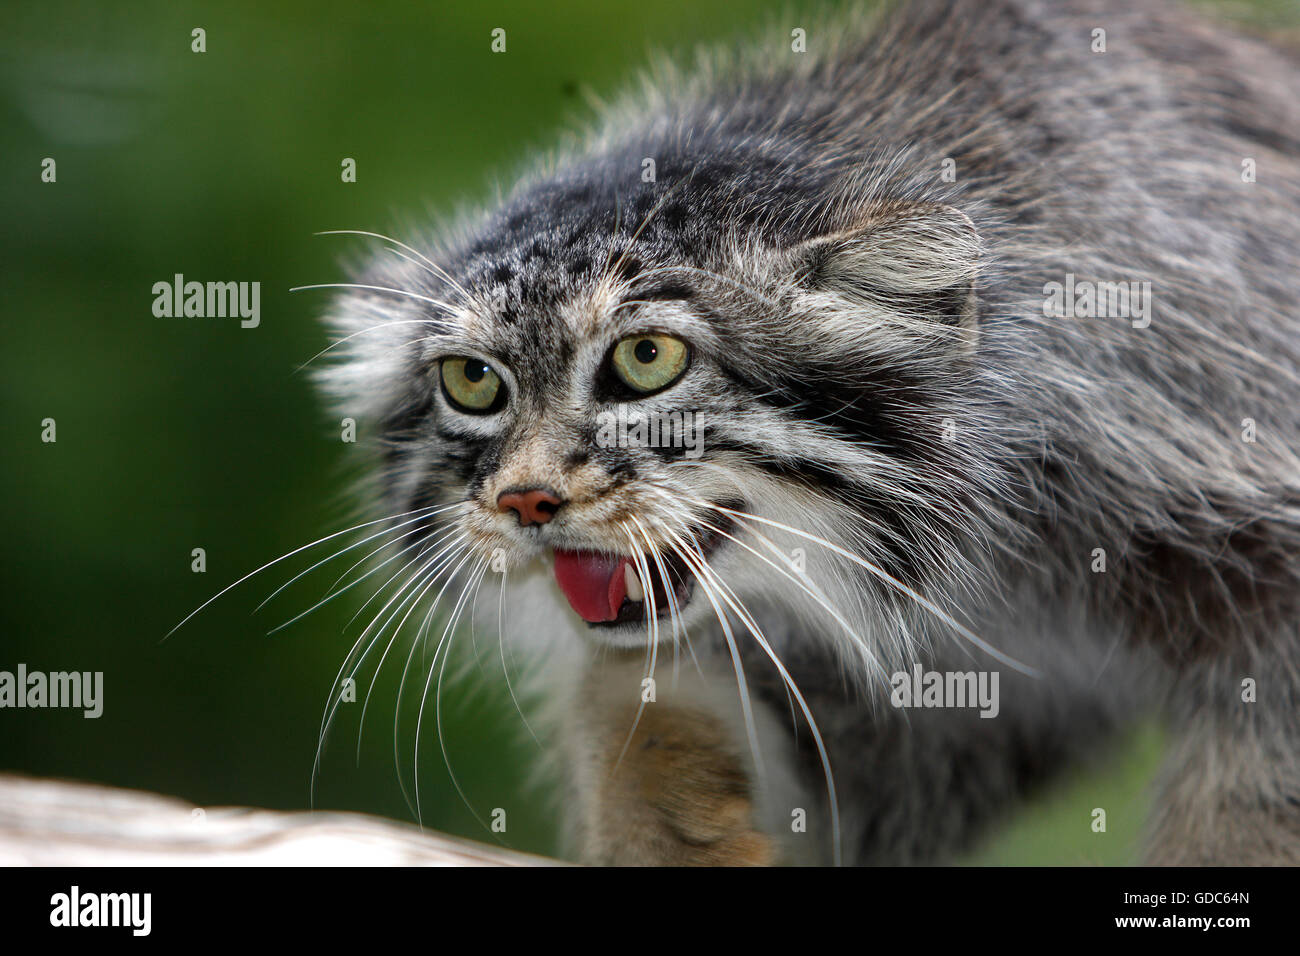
182, 433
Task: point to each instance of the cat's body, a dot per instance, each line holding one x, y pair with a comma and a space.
1109, 501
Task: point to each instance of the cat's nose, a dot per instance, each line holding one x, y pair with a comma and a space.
531, 506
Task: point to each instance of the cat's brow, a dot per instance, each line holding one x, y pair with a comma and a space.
459, 341
669, 315
667, 290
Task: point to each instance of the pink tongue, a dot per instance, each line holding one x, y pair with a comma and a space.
593, 583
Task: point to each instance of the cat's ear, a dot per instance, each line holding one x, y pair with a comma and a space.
920, 258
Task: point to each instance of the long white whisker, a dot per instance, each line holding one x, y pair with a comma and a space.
674, 613
376, 288
467, 553
336, 554
428, 546
366, 331
419, 720
335, 698
437, 699
898, 585
652, 632
751, 729
807, 586
332, 594
882, 575
284, 557
431, 578
433, 267
697, 560
501, 644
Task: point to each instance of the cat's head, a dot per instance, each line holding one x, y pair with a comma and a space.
710, 389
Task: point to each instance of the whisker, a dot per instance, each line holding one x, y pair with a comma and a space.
703, 569
467, 553
284, 557
348, 338
654, 210
375, 570
674, 612
334, 699
426, 547
432, 267
652, 632
807, 586
431, 534
899, 586
618, 221
419, 720
430, 580
501, 643
751, 729
884, 576
377, 288
477, 580
379, 534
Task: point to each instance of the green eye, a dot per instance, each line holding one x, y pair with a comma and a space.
471, 385
648, 363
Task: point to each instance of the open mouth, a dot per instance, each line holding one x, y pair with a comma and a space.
609, 590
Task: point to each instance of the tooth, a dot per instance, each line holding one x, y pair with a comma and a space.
635, 592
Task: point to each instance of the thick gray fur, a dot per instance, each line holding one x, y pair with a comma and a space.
875, 365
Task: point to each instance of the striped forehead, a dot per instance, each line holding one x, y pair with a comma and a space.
592, 312
584, 313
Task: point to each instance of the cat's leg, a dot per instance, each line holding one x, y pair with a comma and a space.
680, 789
1231, 788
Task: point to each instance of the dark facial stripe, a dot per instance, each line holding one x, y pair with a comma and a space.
667, 290
810, 474
880, 410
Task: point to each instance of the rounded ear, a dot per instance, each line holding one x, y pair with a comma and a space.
921, 258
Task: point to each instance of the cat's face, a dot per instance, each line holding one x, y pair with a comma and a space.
667, 426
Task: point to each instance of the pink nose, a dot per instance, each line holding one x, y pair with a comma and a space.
531, 506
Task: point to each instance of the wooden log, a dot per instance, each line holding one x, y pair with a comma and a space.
57, 823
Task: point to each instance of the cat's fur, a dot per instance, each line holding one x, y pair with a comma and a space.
874, 367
